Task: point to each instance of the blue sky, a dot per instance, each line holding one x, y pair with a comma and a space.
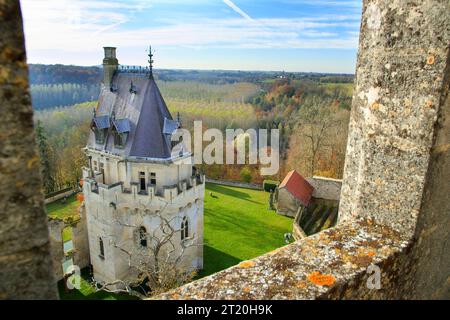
290, 35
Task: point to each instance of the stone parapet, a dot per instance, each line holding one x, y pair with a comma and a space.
324, 265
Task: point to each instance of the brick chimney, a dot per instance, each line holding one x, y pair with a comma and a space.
110, 65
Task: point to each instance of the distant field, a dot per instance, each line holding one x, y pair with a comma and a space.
218, 105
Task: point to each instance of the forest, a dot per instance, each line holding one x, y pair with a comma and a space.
311, 111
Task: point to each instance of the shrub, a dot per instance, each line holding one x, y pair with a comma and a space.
246, 175
269, 185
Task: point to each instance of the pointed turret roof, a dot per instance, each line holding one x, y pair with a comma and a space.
145, 112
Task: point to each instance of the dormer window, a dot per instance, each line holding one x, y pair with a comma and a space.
170, 127
121, 129
100, 126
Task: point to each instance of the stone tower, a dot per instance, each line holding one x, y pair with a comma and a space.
134, 181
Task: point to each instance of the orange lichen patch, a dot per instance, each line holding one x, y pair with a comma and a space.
430, 60
247, 289
321, 279
430, 104
370, 253
246, 264
80, 197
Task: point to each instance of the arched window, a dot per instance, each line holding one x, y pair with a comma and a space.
143, 236
102, 248
184, 228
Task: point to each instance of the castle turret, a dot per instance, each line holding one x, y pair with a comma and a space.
135, 173
110, 65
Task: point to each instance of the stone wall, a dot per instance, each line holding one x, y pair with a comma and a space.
326, 188
25, 263
55, 228
115, 216
55, 196
287, 204
397, 164
80, 241
403, 52
236, 184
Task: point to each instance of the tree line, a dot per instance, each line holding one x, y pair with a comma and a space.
45, 96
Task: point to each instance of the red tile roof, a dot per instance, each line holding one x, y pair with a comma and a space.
298, 187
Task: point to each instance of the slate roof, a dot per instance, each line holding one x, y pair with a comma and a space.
101, 122
298, 187
142, 114
122, 125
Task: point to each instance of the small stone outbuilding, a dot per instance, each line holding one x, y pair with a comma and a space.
293, 192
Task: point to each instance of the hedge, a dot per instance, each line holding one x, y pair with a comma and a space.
269, 185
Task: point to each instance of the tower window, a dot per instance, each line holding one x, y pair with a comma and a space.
102, 248
142, 181
120, 139
121, 129
143, 237
184, 228
99, 136
102, 170
153, 178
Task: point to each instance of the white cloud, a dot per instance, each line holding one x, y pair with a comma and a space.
237, 9
80, 26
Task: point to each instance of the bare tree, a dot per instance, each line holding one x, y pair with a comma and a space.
316, 122
154, 256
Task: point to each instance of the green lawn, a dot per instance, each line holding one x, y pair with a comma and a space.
58, 209
237, 226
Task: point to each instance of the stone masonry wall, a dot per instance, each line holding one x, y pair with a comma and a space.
236, 184
403, 51
25, 263
325, 188
55, 228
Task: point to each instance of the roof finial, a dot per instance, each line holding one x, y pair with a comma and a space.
150, 60
179, 120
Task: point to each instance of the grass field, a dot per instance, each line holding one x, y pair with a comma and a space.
237, 226
58, 209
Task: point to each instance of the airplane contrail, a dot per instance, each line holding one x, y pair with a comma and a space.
237, 9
